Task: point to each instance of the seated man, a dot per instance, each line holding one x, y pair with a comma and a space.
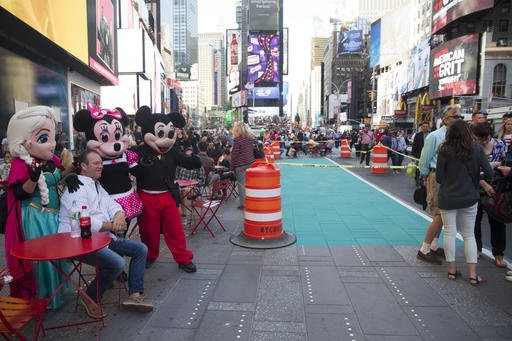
108, 217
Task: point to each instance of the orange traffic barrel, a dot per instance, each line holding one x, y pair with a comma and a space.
379, 159
263, 215
269, 154
345, 148
276, 148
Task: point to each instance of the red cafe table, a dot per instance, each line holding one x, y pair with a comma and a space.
64, 247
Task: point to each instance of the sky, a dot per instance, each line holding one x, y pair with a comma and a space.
219, 15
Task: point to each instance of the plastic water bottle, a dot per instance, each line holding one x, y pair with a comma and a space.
75, 220
85, 223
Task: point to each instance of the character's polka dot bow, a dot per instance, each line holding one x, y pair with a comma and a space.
98, 113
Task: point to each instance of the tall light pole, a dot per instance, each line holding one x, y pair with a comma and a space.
338, 96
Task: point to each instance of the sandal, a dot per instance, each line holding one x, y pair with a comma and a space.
475, 281
499, 262
452, 276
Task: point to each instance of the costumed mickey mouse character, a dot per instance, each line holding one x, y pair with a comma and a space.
158, 159
104, 130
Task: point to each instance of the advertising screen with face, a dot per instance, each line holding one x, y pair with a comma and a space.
453, 67
263, 58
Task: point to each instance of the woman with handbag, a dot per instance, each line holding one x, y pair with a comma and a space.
458, 167
242, 156
495, 150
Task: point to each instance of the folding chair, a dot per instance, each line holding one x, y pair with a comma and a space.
16, 313
210, 206
231, 189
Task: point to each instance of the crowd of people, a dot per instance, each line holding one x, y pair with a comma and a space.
458, 163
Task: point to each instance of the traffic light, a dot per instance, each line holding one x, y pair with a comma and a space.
245, 116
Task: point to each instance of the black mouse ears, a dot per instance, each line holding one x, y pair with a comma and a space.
144, 118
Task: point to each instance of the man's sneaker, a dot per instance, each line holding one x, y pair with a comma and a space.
137, 304
439, 252
149, 263
92, 309
190, 267
429, 257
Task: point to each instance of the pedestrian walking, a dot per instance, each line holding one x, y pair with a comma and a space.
458, 168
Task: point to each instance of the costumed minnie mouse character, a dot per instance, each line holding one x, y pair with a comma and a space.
32, 197
158, 159
104, 130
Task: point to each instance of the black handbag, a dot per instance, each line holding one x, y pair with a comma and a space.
420, 196
257, 150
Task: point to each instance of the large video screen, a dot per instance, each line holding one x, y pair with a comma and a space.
350, 41
61, 21
263, 15
453, 67
446, 11
375, 44
263, 58
419, 66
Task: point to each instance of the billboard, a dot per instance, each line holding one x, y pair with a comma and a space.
263, 15
395, 28
350, 41
263, 58
375, 44
285, 51
446, 11
262, 116
453, 67
419, 66
101, 17
233, 57
264, 93
61, 21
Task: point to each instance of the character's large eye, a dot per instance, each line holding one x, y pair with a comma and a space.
104, 137
171, 134
43, 138
160, 134
117, 135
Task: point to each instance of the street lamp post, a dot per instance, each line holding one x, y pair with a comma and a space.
338, 97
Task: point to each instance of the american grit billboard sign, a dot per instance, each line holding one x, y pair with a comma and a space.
453, 67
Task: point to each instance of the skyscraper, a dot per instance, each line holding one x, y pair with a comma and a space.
212, 71
184, 26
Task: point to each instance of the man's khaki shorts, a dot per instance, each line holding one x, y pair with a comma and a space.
432, 193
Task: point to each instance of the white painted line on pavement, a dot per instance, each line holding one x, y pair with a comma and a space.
485, 251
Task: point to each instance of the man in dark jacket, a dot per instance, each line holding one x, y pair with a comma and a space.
417, 145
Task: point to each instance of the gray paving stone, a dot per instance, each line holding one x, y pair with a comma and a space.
213, 254
322, 285
279, 299
347, 256
359, 275
155, 333
382, 254
305, 250
329, 309
250, 258
438, 323
327, 327
270, 336
377, 310
231, 306
281, 256
470, 304
368, 337
281, 327
225, 325
184, 305
405, 283
238, 283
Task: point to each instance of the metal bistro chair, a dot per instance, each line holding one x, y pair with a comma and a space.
206, 209
16, 313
